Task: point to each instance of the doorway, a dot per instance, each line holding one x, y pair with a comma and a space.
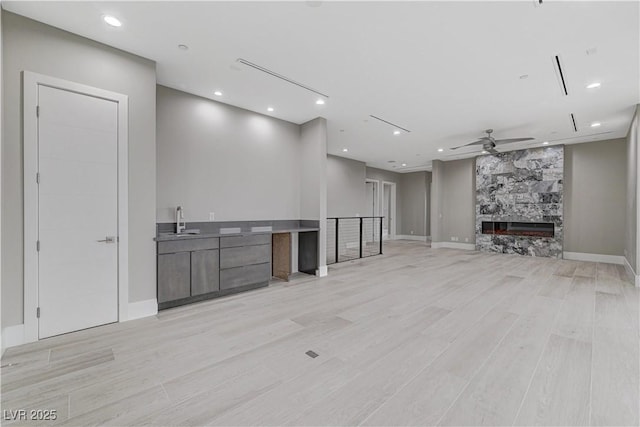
388, 204
75, 207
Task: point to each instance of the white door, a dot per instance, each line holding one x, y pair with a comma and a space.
77, 211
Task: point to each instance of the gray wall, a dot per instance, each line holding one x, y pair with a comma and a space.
345, 187
312, 164
595, 197
413, 191
32, 46
435, 207
212, 157
631, 211
383, 175
454, 201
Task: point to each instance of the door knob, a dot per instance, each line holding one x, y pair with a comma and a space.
108, 239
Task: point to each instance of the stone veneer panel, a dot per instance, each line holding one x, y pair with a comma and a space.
523, 186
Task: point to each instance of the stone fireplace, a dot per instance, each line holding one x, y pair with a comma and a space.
519, 198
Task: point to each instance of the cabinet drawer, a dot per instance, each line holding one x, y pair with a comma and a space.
244, 255
187, 245
244, 276
251, 239
174, 276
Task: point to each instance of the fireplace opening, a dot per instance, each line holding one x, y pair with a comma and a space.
534, 229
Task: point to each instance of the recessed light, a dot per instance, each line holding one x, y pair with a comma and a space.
183, 47
270, 109
593, 85
396, 132
345, 150
320, 102
545, 143
595, 124
440, 150
404, 164
112, 20
484, 152
217, 93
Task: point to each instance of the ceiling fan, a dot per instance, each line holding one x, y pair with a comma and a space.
489, 143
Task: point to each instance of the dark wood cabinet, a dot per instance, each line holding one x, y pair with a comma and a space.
205, 272
174, 276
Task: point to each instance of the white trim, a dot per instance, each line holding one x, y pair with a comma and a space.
322, 271
581, 256
454, 245
145, 308
633, 277
12, 336
411, 237
30, 123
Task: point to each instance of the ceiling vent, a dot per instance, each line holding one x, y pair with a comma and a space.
560, 73
389, 123
573, 123
280, 76
582, 136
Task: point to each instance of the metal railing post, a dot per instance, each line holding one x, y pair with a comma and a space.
337, 241
381, 235
361, 237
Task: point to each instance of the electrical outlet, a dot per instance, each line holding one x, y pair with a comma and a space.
411, 231
466, 239
212, 216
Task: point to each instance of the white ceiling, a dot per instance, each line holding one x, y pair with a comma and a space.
444, 70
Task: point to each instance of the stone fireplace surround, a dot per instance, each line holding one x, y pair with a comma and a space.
524, 186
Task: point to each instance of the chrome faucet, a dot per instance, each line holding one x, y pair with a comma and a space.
181, 225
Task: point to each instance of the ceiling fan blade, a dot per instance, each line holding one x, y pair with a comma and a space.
480, 141
493, 151
507, 141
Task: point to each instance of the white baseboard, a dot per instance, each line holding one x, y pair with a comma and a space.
411, 237
322, 271
581, 256
454, 245
141, 309
633, 277
12, 336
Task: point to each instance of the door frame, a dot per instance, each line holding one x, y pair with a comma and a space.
377, 198
392, 196
30, 83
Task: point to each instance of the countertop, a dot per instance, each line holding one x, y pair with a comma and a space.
165, 237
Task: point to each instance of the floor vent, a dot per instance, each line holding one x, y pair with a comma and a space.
312, 354
560, 73
279, 76
389, 123
573, 121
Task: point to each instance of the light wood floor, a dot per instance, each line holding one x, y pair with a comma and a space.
417, 336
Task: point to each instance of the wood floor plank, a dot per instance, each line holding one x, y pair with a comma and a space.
416, 336
425, 399
494, 395
576, 316
560, 391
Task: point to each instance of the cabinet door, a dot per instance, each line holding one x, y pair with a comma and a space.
205, 272
174, 276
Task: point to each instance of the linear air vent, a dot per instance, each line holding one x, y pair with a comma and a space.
389, 123
573, 122
560, 73
591, 135
280, 76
